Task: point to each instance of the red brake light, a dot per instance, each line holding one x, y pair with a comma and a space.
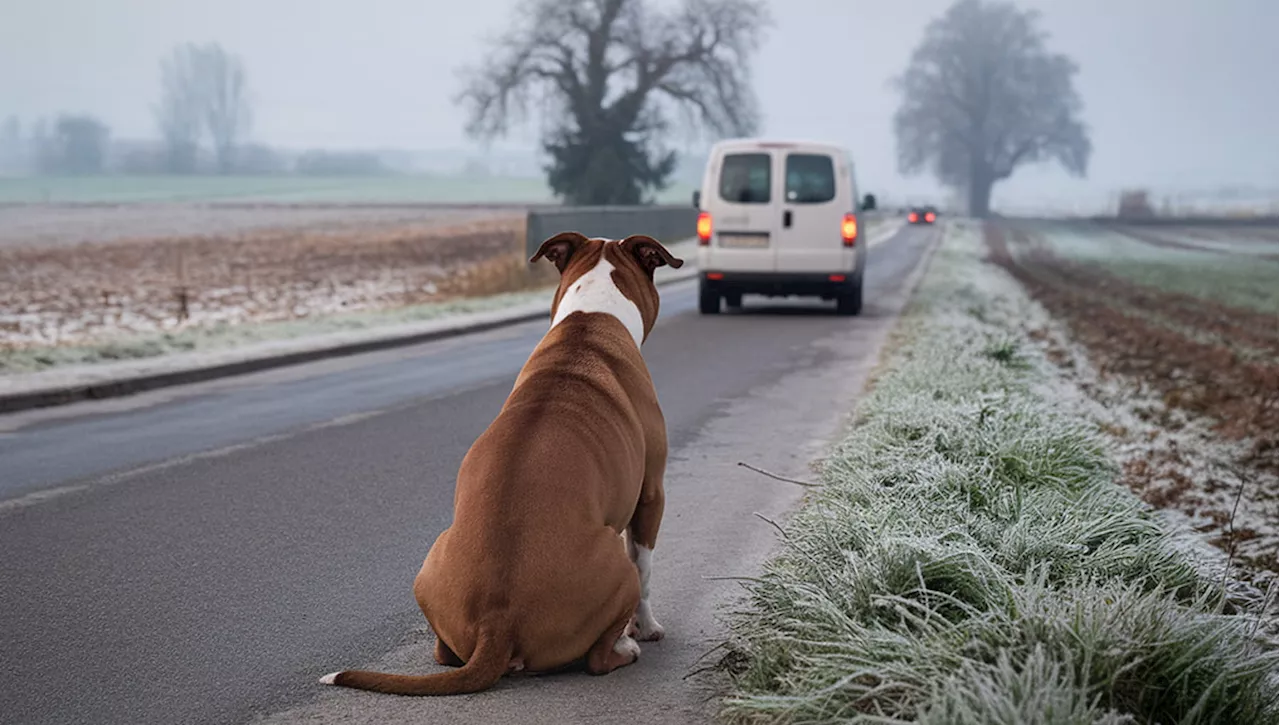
912, 217
704, 228
929, 217
849, 229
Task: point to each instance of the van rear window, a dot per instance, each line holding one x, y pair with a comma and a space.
746, 178
811, 179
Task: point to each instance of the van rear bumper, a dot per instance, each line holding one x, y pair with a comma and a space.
781, 284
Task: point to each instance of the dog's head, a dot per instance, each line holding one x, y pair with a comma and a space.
613, 277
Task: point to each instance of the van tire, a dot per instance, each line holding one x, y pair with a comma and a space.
733, 300
850, 303
708, 300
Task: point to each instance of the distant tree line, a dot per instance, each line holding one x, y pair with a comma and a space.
611, 80
70, 144
203, 118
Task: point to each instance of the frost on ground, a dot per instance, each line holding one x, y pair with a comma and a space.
140, 298
1186, 385
44, 225
972, 558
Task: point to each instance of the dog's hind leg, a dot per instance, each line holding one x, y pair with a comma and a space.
642, 534
616, 648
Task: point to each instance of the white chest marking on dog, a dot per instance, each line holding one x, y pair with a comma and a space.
596, 292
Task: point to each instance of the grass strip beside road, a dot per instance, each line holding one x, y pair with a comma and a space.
971, 558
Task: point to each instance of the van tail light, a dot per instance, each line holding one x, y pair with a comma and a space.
929, 217
849, 230
912, 217
704, 228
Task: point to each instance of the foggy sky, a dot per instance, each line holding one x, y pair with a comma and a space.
1178, 93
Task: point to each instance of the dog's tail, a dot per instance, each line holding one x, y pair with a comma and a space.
487, 665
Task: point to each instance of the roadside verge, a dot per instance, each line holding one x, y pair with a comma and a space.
970, 557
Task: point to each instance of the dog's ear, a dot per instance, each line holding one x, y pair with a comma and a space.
649, 252
559, 248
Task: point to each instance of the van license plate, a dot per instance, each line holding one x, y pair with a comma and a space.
747, 241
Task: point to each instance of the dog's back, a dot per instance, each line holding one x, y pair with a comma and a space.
533, 573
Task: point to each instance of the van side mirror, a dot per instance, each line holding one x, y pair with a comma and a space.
697, 199
869, 202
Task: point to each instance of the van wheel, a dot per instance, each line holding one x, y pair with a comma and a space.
708, 300
850, 303
733, 300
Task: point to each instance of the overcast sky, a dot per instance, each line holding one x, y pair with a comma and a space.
1178, 93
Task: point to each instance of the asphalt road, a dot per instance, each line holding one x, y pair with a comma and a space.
202, 554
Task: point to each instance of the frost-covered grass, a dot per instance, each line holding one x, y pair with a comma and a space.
224, 336
1238, 280
971, 559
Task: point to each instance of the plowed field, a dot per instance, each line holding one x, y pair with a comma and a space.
1206, 361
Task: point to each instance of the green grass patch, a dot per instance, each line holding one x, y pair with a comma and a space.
971, 558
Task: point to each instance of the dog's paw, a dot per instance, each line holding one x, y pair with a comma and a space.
627, 647
650, 631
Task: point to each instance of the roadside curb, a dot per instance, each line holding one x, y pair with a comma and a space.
231, 363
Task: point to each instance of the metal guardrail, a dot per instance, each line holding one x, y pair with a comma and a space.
667, 224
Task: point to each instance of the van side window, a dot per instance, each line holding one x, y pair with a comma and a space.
746, 178
811, 179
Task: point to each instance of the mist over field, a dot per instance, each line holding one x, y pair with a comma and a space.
1179, 97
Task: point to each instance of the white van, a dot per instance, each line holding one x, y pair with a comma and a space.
779, 218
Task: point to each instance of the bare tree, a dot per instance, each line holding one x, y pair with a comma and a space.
203, 88
983, 96
180, 110
226, 102
610, 73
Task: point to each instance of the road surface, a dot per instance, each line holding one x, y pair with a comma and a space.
203, 554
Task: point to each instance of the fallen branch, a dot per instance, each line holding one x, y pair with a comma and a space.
776, 477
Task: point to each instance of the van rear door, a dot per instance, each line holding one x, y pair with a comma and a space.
815, 199
742, 210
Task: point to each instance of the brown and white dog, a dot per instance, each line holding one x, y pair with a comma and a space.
533, 574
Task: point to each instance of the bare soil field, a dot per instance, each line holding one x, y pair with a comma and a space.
1204, 362
169, 268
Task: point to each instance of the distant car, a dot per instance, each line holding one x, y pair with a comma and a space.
922, 215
